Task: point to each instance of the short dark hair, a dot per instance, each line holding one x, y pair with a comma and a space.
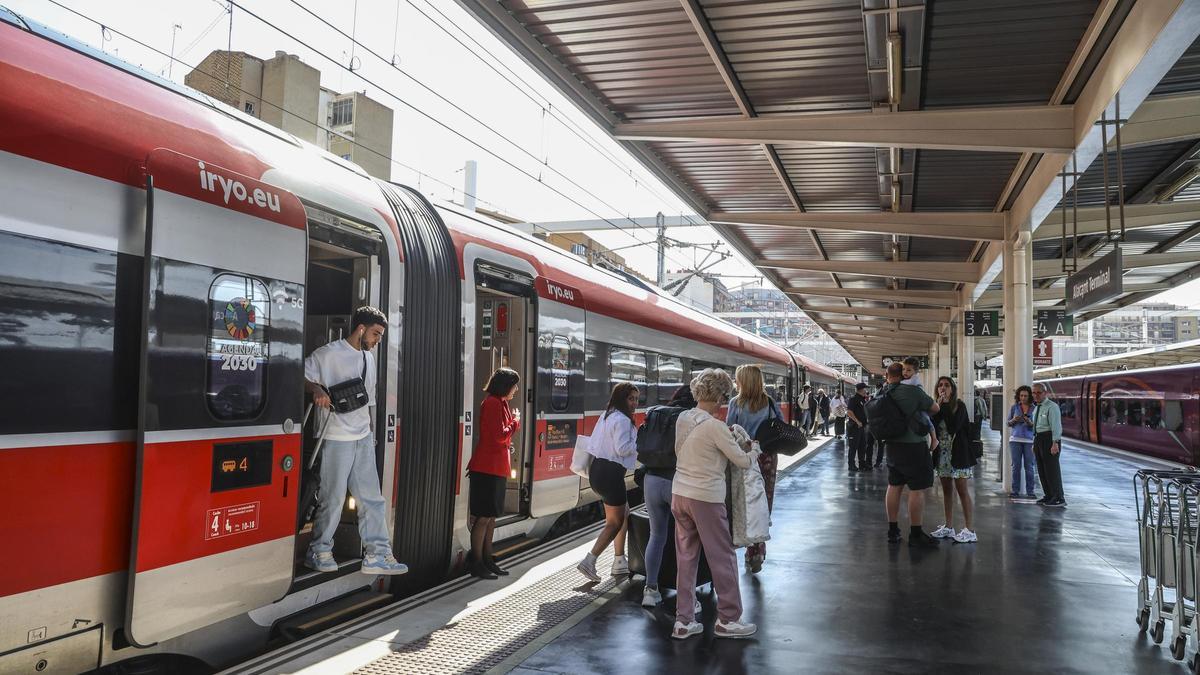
912, 361
895, 370
502, 381
367, 316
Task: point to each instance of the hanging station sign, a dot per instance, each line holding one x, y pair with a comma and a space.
1055, 322
1094, 284
889, 360
981, 324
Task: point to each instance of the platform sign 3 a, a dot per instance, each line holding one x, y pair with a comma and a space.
1055, 322
981, 324
1043, 352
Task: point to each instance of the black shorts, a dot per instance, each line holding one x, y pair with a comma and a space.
910, 464
607, 479
487, 495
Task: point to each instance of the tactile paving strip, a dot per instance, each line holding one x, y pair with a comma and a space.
487, 637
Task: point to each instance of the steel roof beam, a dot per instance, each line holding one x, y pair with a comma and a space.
1049, 269
1162, 120
930, 298
1091, 219
965, 225
1044, 129
608, 224
887, 324
939, 315
967, 272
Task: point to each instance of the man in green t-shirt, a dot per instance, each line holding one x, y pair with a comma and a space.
910, 462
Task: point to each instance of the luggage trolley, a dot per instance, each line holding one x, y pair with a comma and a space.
1184, 492
1158, 562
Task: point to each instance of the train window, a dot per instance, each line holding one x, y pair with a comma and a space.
238, 349
670, 377
1172, 416
628, 365
1067, 408
560, 373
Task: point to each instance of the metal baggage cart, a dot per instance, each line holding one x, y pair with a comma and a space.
1184, 493
1158, 564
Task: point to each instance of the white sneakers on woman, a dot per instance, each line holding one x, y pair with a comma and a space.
943, 532
651, 597
587, 567
683, 631
620, 566
734, 629
965, 536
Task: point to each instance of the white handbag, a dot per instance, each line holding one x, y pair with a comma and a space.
751, 517
581, 459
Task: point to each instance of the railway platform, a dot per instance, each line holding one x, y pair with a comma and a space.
1044, 590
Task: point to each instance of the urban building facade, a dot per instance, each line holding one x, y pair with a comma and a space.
1129, 329
286, 93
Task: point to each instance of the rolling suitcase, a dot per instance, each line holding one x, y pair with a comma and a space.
635, 549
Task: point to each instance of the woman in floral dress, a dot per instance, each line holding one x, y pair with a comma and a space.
954, 461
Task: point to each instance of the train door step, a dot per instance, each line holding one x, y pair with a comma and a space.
309, 577
328, 614
511, 546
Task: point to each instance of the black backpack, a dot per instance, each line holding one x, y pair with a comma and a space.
656, 437
886, 419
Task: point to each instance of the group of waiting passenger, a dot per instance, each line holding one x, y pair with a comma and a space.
1034, 440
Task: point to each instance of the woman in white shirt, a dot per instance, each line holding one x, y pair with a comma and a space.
839, 416
704, 447
613, 447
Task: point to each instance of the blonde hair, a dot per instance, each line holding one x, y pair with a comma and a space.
751, 393
712, 384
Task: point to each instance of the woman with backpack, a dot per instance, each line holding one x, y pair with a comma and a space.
704, 448
489, 468
613, 448
954, 460
660, 470
750, 409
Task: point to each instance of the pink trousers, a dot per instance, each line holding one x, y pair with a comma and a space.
704, 524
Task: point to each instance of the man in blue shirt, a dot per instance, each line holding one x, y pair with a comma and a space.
1047, 442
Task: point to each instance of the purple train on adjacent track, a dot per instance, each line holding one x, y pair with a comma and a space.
1152, 411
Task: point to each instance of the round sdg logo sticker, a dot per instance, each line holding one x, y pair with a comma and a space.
240, 317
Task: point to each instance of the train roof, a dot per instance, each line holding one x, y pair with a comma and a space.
123, 113
1132, 371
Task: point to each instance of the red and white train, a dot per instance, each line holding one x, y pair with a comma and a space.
166, 263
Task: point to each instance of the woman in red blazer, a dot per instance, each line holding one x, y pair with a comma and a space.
489, 468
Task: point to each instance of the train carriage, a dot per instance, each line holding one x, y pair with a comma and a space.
166, 263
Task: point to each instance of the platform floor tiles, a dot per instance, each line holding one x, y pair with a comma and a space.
1043, 591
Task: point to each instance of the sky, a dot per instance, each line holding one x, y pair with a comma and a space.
458, 94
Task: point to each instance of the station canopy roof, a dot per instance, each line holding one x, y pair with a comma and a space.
870, 156
1161, 355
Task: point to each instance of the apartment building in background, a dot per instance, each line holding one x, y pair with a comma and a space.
286, 93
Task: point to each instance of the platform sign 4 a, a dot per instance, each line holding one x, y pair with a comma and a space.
1055, 322
981, 324
1043, 352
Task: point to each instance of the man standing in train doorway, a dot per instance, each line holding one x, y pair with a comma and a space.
341, 377
1047, 442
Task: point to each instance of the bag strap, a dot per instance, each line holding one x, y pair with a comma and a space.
363, 377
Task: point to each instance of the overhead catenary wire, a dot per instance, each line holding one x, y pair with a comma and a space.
446, 100
444, 125
215, 76
416, 109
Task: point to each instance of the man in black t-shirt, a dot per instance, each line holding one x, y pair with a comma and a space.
856, 432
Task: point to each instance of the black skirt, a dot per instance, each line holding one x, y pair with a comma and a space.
607, 479
487, 495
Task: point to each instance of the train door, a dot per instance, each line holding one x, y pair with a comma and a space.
1092, 408
505, 318
344, 273
220, 384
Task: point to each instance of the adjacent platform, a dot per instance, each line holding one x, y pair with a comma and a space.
1044, 590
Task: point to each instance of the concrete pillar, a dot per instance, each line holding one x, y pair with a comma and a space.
943, 352
1018, 324
966, 368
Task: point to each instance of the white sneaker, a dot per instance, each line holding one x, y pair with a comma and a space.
620, 566
734, 629
965, 536
683, 631
321, 562
383, 564
651, 597
943, 532
587, 567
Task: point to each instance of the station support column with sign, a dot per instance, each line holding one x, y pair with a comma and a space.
966, 367
1018, 327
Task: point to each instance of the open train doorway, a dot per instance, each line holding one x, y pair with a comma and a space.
505, 320
344, 273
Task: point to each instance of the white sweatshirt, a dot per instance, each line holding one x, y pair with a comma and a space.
704, 446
